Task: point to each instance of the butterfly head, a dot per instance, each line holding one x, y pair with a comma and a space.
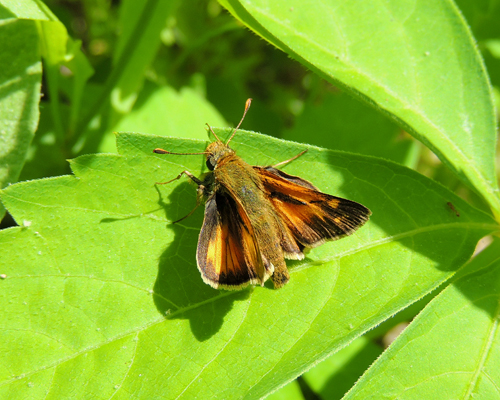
215, 152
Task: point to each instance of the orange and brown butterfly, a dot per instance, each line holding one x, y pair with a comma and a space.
256, 217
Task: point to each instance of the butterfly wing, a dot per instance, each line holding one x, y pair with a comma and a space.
312, 217
228, 255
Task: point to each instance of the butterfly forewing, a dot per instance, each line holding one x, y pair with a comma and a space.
312, 216
228, 255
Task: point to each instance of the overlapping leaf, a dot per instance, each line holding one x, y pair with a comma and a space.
102, 294
453, 344
416, 61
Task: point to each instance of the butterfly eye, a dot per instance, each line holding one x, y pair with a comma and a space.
210, 166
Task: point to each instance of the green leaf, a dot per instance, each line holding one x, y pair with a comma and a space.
451, 348
23, 46
102, 293
416, 61
20, 81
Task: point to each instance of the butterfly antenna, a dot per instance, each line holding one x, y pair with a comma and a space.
161, 151
213, 133
247, 106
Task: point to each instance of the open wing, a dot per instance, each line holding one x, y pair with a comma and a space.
228, 255
312, 217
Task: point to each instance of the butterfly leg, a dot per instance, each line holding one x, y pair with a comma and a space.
290, 159
187, 173
199, 196
200, 193
198, 202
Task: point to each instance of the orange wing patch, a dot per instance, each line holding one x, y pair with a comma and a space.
312, 216
228, 255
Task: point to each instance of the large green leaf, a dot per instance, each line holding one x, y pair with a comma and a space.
102, 293
416, 61
452, 348
20, 81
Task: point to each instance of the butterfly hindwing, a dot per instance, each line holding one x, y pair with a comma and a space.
290, 178
312, 216
228, 255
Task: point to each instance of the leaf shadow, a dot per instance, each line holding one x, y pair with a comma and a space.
339, 382
179, 291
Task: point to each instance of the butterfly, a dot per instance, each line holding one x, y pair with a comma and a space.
256, 217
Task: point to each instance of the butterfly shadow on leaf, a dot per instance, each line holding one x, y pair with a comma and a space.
179, 291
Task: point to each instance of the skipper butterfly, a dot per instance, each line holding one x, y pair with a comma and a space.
256, 217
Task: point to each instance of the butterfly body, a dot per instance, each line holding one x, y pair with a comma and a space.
234, 178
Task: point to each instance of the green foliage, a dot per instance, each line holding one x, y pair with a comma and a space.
20, 78
401, 65
468, 362
100, 292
